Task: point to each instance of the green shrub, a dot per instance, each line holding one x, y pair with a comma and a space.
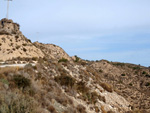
118, 64
143, 72
63, 60
123, 74
76, 58
21, 81
136, 68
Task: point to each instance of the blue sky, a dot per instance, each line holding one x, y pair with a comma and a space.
115, 30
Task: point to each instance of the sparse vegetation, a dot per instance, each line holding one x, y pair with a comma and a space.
118, 64
63, 60
15, 103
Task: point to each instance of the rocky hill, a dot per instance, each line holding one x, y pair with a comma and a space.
14, 44
58, 83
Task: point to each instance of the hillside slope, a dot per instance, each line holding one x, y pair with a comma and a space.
58, 83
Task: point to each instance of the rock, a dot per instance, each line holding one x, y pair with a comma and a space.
9, 27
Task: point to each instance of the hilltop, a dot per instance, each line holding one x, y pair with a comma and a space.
58, 83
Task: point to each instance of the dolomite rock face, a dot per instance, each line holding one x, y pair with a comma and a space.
14, 44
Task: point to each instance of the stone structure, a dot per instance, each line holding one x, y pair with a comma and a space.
9, 27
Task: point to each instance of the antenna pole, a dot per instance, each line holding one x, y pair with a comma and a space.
7, 8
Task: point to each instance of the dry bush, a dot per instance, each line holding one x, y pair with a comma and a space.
96, 109
81, 109
81, 87
21, 81
70, 110
103, 110
62, 99
110, 112
15, 103
7, 70
65, 80
51, 109
107, 87
138, 111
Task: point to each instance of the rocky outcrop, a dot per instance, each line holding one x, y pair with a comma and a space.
52, 51
9, 27
14, 44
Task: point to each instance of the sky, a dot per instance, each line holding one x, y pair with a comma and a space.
115, 30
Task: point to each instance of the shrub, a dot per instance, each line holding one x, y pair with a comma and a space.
147, 75
62, 100
147, 84
96, 109
24, 44
76, 58
118, 64
35, 58
93, 98
103, 110
24, 49
136, 68
107, 87
65, 80
81, 109
143, 72
51, 109
14, 103
63, 60
100, 71
17, 47
81, 87
123, 74
7, 70
21, 81
4, 81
